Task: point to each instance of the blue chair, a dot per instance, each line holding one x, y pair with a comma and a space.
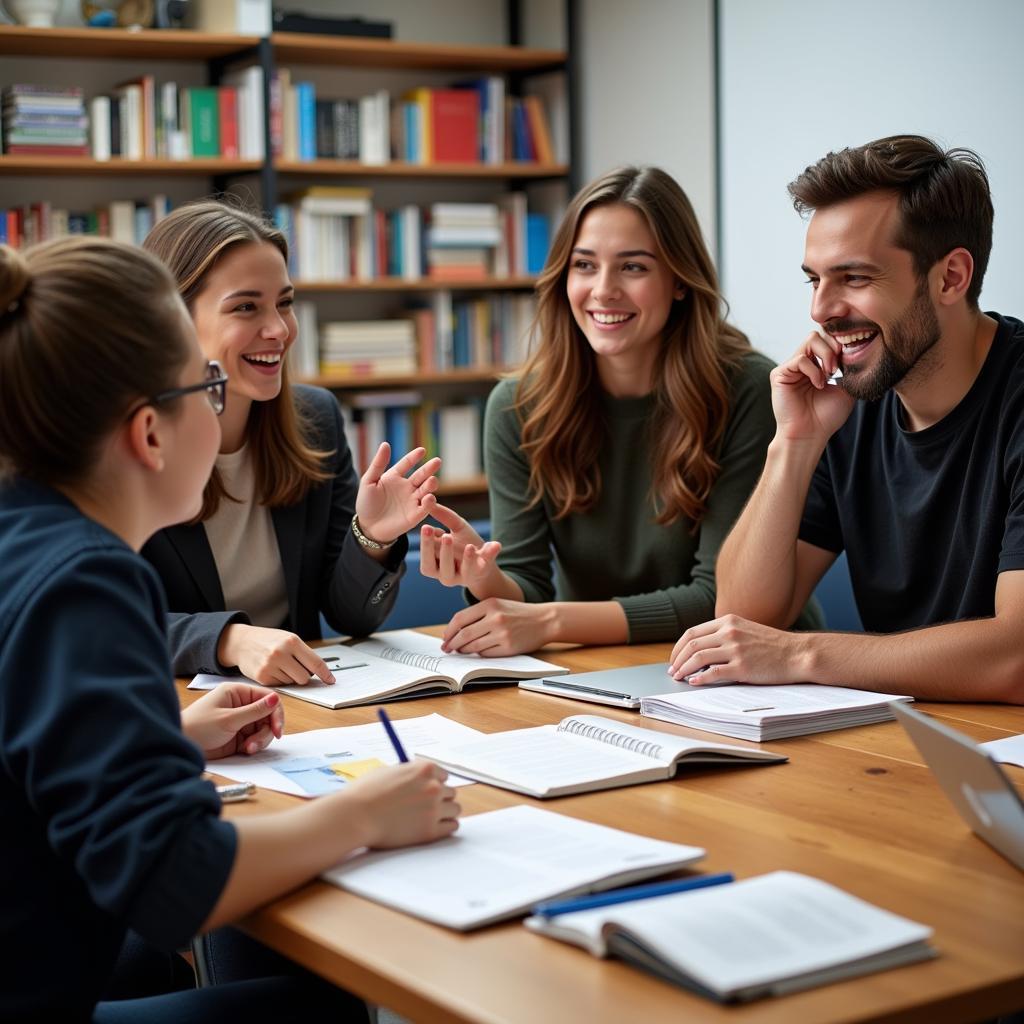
835, 595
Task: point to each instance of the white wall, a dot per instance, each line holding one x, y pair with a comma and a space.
802, 77
647, 92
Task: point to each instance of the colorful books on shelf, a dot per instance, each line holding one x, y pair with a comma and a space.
43, 120
305, 127
336, 234
405, 421
127, 220
493, 331
139, 120
473, 122
583, 753
330, 233
770, 712
501, 863
764, 936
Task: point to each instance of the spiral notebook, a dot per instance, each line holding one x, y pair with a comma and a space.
583, 753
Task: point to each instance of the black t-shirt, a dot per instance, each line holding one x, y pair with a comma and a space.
928, 518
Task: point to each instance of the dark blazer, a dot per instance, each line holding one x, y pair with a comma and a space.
325, 569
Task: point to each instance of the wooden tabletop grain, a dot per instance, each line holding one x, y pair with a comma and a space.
856, 807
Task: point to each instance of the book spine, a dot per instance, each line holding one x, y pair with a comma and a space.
228, 108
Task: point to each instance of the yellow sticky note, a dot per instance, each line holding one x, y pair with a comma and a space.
354, 769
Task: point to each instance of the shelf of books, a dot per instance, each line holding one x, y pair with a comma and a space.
416, 295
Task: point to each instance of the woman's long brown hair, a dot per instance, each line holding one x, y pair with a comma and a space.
558, 399
286, 461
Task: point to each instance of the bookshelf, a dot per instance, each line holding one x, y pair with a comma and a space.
271, 178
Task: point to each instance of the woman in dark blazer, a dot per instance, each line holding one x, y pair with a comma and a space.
287, 531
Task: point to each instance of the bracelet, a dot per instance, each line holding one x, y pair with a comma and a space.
368, 542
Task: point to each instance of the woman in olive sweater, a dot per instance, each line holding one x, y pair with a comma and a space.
624, 452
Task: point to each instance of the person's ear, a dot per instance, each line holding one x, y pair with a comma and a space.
679, 292
956, 271
144, 438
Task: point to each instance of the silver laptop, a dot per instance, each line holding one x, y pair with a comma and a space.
973, 781
620, 687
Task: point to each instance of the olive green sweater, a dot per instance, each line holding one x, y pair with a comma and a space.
663, 576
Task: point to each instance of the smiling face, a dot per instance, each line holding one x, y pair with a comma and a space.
867, 294
620, 290
244, 319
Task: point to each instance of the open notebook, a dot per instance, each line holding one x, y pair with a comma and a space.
769, 935
404, 663
770, 712
582, 753
500, 863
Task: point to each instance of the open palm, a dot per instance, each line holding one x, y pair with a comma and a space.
392, 501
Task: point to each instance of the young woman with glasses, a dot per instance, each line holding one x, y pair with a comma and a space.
108, 434
626, 448
286, 530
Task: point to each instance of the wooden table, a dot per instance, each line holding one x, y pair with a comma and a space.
856, 808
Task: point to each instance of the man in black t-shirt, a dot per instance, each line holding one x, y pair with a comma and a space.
912, 462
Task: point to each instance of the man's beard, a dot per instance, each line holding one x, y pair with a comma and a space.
909, 338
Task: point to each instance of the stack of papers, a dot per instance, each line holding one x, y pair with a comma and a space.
769, 935
325, 760
771, 712
499, 864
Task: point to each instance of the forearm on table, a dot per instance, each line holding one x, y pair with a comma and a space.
277, 853
588, 622
756, 568
974, 660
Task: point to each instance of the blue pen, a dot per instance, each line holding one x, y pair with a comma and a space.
636, 892
392, 735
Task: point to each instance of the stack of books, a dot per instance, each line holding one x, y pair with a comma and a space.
770, 712
461, 240
43, 120
368, 348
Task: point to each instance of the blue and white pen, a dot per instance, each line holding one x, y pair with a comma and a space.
636, 892
392, 735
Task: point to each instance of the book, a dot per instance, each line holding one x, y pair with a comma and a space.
584, 753
454, 121
770, 712
404, 663
769, 935
320, 761
502, 862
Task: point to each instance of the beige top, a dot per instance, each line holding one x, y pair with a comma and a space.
244, 546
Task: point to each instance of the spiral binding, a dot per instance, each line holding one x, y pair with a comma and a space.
648, 748
428, 662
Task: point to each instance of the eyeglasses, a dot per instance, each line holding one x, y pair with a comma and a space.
215, 387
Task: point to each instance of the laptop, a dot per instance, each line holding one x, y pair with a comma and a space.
620, 687
973, 781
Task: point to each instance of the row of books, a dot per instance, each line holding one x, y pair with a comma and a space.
472, 123
39, 120
127, 220
139, 120
405, 421
335, 234
447, 334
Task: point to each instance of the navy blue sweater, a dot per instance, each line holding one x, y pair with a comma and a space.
107, 822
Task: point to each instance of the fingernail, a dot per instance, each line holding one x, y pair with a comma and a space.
272, 700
